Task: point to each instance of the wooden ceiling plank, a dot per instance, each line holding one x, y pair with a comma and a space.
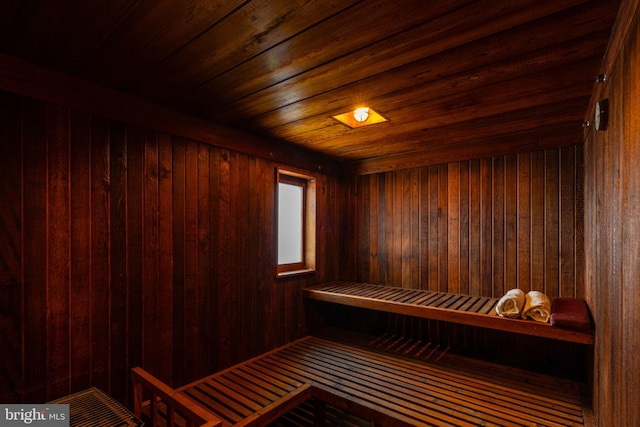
35, 24
94, 21
252, 29
345, 33
318, 109
338, 91
530, 119
151, 32
417, 113
9, 18
451, 30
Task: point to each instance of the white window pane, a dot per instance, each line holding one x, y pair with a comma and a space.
289, 223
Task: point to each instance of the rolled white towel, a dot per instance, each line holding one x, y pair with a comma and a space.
511, 304
537, 307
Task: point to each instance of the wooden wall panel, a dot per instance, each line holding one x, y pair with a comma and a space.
480, 227
612, 235
10, 250
34, 263
124, 246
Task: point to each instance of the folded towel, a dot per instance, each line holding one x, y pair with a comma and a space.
537, 307
511, 304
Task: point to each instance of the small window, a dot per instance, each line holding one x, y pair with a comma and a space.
296, 223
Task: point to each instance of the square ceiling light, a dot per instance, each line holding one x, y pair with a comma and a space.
363, 116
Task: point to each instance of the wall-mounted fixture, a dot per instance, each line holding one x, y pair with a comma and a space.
362, 116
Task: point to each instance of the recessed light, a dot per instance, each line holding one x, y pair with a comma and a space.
362, 116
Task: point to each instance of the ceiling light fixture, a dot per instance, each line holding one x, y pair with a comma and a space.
362, 116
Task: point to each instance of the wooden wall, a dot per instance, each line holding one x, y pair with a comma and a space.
612, 238
477, 227
123, 246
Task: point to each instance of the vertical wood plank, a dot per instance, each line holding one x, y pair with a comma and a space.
214, 268
567, 224
58, 240
79, 308
538, 258
552, 222
35, 254
425, 254
100, 271
232, 297
433, 229
486, 231
464, 251
191, 337
453, 227
405, 228
475, 277
239, 257
165, 253
374, 235
580, 262
151, 290
253, 247
415, 229
524, 222
118, 369
511, 260
443, 230
363, 242
264, 174
225, 281
135, 295
180, 365
498, 244
203, 253
389, 261
398, 210
11, 216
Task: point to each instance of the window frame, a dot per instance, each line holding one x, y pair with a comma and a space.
307, 182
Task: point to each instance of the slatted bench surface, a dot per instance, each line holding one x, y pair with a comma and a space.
246, 395
456, 308
385, 387
391, 389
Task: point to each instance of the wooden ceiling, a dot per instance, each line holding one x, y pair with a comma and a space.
456, 78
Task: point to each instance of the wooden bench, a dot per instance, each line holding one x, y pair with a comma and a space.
386, 388
456, 308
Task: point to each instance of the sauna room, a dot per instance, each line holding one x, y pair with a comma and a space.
321, 212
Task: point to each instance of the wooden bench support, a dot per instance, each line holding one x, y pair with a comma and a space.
176, 404
384, 387
456, 308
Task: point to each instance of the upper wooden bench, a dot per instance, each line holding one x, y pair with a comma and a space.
456, 308
384, 387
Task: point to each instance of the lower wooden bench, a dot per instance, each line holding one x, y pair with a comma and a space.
457, 308
389, 389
